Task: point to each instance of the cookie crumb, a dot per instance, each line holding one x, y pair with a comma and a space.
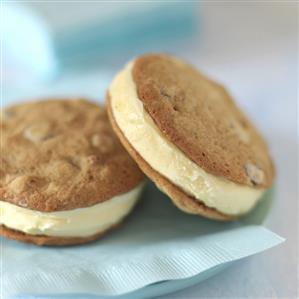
255, 174
23, 203
21, 183
103, 143
38, 132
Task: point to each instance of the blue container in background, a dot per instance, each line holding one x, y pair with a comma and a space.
47, 38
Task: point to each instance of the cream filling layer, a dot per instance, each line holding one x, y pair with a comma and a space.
164, 157
80, 222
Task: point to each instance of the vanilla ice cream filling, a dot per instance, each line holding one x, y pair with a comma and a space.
82, 222
140, 130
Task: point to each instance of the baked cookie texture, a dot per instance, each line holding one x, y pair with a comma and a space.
60, 155
182, 200
200, 117
216, 151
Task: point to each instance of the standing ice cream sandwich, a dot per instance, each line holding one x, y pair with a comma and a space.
187, 134
65, 178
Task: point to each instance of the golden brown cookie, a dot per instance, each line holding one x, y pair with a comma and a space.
65, 178
184, 201
43, 240
208, 149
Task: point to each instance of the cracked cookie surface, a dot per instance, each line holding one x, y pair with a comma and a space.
61, 155
200, 117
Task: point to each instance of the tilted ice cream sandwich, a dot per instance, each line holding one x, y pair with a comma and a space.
186, 133
65, 178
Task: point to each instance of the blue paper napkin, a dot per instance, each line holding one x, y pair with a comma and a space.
157, 243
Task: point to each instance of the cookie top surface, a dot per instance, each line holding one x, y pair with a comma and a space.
202, 120
62, 155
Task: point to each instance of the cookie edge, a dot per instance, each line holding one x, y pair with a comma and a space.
123, 188
188, 151
183, 201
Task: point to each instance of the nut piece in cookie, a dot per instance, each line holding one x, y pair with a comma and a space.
187, 134
65, 177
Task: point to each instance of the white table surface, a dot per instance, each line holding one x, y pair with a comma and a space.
251, 48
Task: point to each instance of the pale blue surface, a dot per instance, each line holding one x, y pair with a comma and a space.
153, 290
157, 243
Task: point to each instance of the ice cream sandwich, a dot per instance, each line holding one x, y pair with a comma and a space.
187, 134
65, 177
